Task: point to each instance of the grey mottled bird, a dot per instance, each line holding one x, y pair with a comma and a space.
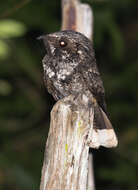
70, 68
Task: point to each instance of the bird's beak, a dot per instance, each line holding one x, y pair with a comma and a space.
40, 37
46, 41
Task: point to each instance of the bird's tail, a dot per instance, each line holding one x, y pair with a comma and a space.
103, 132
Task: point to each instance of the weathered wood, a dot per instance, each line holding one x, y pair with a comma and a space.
66, 156
91, 181
77, 16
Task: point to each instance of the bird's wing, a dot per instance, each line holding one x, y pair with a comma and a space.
103, 133
94, 83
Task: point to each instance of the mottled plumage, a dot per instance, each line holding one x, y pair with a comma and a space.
70, 68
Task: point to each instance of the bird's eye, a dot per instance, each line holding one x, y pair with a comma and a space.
63, 43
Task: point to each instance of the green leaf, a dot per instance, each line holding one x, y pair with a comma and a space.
11, 28
4, 49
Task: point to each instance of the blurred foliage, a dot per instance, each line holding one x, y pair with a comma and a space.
25, 104
9, 29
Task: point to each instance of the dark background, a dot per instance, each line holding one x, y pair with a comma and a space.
25, 104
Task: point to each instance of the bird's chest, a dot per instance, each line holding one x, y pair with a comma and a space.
63, 78
65, 83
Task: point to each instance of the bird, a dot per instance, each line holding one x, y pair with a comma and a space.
70, 69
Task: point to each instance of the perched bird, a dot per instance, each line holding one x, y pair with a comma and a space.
70, 68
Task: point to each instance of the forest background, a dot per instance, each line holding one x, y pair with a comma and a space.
25, 104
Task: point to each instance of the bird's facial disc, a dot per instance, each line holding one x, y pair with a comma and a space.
64, 44
59, 45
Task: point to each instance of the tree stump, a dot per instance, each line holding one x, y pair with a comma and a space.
66, 155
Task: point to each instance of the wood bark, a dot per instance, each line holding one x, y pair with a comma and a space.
77, 16
65, 165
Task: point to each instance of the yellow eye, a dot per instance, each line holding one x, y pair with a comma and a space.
62, 43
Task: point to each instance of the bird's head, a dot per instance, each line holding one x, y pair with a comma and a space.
66, 51
67, 44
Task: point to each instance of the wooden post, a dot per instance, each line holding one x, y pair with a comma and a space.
77, 16
65, 165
